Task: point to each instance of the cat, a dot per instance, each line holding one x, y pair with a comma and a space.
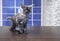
21, 18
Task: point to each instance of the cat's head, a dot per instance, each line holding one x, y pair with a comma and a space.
26, 9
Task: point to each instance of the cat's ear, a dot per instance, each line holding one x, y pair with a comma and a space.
30, 6
22, 5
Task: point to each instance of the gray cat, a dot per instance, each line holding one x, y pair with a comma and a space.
19, 21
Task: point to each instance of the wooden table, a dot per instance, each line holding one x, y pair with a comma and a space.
33, 34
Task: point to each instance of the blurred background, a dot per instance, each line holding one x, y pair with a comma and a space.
43, 13
11, 7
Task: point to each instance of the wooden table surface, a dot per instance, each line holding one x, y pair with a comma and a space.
33, 34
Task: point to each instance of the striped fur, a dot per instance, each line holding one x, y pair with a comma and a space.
24, 17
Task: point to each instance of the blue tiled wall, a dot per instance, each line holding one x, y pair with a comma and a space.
27, 2
7, 3
37, 10
8, 9
37, 2
18, 2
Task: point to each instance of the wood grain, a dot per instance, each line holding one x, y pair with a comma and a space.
33, 34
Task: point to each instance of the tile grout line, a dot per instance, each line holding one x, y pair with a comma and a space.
1, 14
32, 14
15, 6
18, 7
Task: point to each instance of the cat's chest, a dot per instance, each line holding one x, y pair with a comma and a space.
21, 16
